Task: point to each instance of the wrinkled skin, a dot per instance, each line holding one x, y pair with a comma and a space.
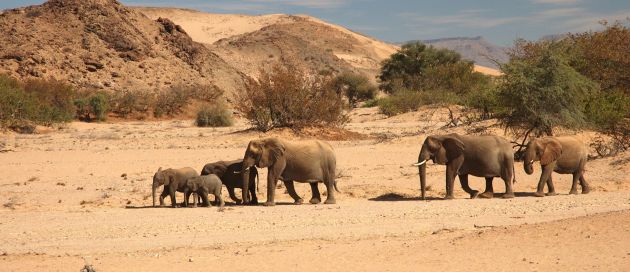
230, 174
563, 155
202, 186
307, 161
481, 156
174, 180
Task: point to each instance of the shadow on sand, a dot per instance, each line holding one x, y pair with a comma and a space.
399, 197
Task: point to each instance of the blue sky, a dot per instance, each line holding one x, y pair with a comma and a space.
400, 20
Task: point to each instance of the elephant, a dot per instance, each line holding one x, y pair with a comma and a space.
308, 161
485, 156
174, 180
563, 155
202, 186
230, 174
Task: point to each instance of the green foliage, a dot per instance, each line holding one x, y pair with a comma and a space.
405, 101
35, 102
214, 115
542, 91
417, 66
289, 97
356, 87
485, 100
99, 104
607, 110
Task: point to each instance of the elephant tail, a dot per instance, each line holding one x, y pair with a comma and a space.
257, 182
335, 185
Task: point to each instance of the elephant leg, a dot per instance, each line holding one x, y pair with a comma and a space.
585, 187
450, 181
489, 192
509, 191
550, 188
252, 192
315, 198
463, 179
204, 198
173, 200
330, 191
218, 198
546, 175
186, 194
576, 178
291, 189
232, 195
271, 189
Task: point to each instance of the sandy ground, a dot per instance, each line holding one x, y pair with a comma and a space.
65, 203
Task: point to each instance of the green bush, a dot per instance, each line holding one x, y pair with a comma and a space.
356, 87
99, 104
485, 100
214, 115
606, 110
127, 103
406, 101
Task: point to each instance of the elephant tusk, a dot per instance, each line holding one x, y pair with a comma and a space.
237, 172
420, 163
532, 161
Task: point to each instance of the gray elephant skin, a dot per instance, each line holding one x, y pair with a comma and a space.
230, 174
481, 156
202, 186
174, 180
563, 155
306, 161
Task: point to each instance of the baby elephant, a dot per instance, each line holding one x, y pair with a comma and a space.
202, 186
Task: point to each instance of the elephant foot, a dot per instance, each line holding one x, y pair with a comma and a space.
551, 194
474, 194
330, 201
449, 197
298, 201
487, 195
315, 201
237, 201
253, 202
508, 195
573, 192
269, 204
539, 194
586, 190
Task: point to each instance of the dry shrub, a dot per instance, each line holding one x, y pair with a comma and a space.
289, 97
172, 101
127, 103
214, 115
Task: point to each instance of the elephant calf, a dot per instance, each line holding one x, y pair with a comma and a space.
230, 174
563, 155
202, 186
174, 180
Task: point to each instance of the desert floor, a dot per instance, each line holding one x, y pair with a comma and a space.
81, 195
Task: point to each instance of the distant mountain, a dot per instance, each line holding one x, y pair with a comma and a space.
476, 49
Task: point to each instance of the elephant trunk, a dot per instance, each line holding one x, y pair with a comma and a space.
154, 188
528, 161
422, 169
245, 170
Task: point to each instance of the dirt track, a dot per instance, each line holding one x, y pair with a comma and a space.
64, 203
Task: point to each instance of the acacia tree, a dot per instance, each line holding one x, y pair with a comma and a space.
419, 67
540, 91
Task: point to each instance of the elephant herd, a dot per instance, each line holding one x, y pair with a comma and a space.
314, 162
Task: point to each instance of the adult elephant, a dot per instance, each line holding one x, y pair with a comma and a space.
230, 174
308, 161
482, 156
174, 180
563, 155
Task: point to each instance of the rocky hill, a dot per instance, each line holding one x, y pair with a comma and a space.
250, 43
103, 44
477, 49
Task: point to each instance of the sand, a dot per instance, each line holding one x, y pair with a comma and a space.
66, 202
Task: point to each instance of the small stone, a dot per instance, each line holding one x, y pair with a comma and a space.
190, 260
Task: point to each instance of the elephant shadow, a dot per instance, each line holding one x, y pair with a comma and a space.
399, 197
179, 205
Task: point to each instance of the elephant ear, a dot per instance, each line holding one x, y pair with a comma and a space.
551, 152
220, 169
272, 151
454, 148
168, 178
436, 148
